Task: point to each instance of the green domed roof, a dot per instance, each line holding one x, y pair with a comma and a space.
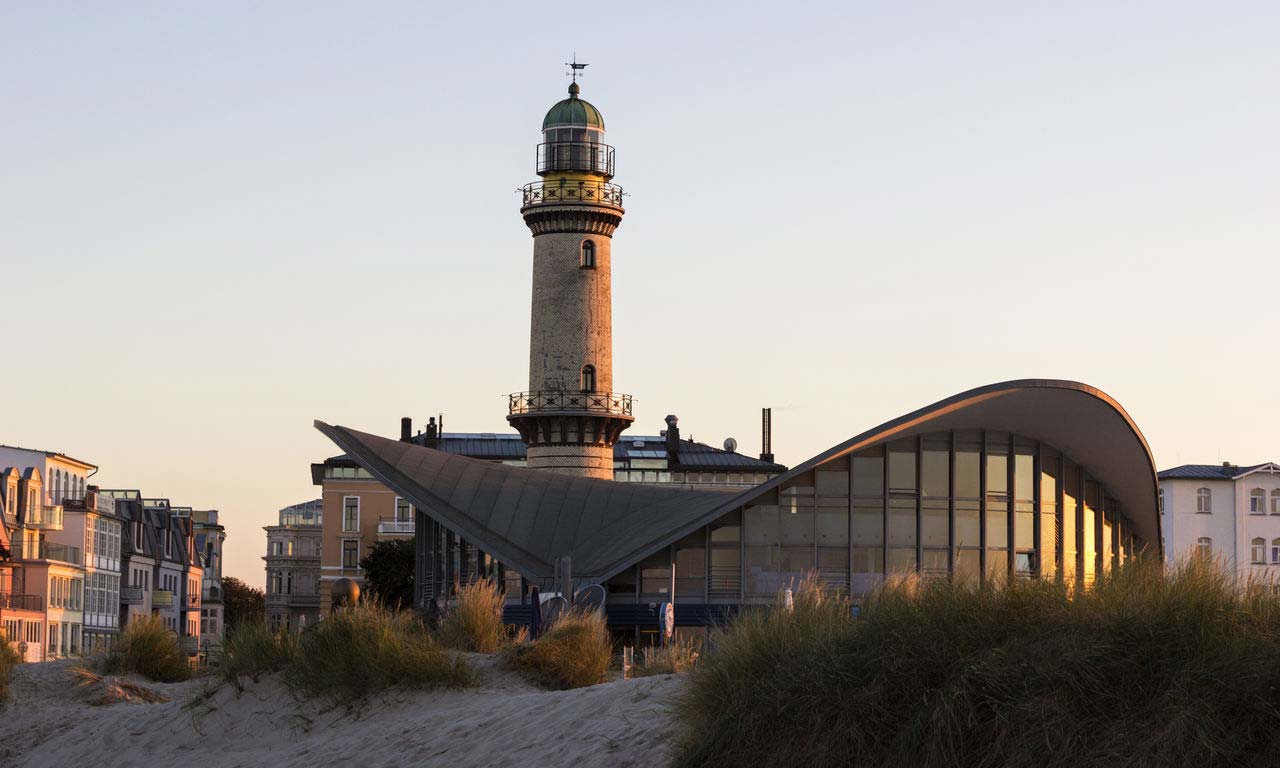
573, 111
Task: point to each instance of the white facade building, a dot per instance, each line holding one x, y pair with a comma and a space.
1224, 511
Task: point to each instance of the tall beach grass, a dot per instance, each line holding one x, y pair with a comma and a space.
9, 657
1148, 668
474, 622
573, 653
146, 647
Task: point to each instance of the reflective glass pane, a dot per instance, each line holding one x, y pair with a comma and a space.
868, 474
968, 528
934, 523
936, 468
902, 467
868, 522
760, 524
902, 522
968, 467
968, 566
902, 560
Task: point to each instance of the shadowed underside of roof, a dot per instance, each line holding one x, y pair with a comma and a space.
528, 518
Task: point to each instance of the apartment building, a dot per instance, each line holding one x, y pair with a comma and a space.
293, 566
210, 536
47, 548
163, 568
1225, 511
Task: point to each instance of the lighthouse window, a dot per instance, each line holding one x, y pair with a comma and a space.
588, 254
588, 378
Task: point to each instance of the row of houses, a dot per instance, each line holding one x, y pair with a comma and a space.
78, 562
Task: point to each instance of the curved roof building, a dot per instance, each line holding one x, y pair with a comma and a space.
1028, 478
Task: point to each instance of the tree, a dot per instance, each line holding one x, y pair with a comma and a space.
388, 572
242, 603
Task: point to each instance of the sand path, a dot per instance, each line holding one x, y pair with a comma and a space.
506, 722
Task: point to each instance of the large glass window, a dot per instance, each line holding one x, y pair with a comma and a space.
350, 513
1070, 529
1050, 539
1204, 501
1257, 502
691, 566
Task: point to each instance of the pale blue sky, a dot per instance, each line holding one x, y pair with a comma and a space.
221, 221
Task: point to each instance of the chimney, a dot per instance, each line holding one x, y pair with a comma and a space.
432, 438
673, 441
406, 429
766, 435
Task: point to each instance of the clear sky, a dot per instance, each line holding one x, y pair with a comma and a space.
220, 221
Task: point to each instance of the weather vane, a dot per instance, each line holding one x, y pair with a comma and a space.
574, 67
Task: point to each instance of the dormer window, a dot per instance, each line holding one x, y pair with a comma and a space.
588, 378
588, 254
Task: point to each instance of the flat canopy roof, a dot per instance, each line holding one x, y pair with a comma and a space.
528, 518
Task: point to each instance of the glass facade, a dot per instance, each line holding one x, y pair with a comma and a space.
973, 505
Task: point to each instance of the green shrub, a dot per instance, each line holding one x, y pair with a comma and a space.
252, 650
146, 647
366, 649
474, 623
575, 652
1149, 667
674, 657
9, 657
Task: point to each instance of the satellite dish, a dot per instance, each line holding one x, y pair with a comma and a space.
590, 598
730, 445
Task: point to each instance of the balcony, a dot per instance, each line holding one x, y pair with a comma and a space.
211, 594
162, 598
46, 517
391, 526
567, 192
560, 401
193, 601
12, 602
581, 156
46, 550
132, 595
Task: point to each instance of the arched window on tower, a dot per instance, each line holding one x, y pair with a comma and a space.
588, 378
588, 254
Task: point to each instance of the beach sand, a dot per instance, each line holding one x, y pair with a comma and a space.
505, 722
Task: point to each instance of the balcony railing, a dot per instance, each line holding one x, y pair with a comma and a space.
193, 601
162, 598
46, 550
609, 403
395, 526
132, 595
567, 192
585, 156
44, 516
13, 602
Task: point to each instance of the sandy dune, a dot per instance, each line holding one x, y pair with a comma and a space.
49, 722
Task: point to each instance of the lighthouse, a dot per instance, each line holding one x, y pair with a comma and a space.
570, 416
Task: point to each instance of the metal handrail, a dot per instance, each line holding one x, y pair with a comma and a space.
565, 191
15, 602
588, 156
44, 516
612, 403
46, 550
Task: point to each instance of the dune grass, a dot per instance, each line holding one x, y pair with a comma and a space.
146, 647
363, 650
573, 653
252, 650
675, 657
1150, 667
474, 622
9, 657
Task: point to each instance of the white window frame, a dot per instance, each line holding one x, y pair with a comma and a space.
342, 553
345, 529
1258, 551
1204, 495
1257, 502
1204, 546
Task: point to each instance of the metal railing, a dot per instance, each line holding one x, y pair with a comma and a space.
395, 526
611, 403
46, 550
571, 192
47, 516
14, 602
162, 598
588, 156
132, 595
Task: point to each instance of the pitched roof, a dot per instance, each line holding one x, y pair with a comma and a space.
525, 517
1214, 471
